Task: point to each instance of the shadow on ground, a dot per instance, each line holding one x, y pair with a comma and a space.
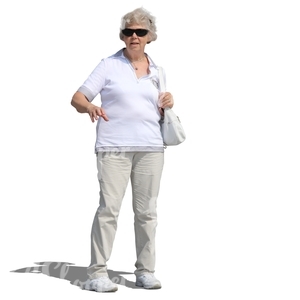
74, 274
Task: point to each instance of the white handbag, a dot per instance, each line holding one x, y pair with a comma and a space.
171, 128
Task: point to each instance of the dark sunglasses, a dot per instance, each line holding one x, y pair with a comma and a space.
138, 32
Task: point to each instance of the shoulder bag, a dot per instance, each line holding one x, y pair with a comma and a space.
171, 128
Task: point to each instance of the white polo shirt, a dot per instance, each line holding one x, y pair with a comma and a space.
130, 104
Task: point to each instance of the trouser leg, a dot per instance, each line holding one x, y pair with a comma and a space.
113, 175
145, 181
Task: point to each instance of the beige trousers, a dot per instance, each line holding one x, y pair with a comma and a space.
144, 169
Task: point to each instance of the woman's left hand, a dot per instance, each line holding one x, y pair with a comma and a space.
166, 100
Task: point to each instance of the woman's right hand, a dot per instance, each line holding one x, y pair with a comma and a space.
82, 105
95, 112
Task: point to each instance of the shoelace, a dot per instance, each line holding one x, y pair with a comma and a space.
148, 276
103, 279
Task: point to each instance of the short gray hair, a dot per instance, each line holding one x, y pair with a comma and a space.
141, 17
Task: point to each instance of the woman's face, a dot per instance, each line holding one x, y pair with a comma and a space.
135, 42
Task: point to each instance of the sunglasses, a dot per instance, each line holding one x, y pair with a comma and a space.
138, 32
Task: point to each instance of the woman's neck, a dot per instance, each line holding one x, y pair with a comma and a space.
134, 56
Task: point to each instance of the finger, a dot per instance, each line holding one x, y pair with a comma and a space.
103, 114
91, 116
161, 97
99, 113
94, 115
167, 103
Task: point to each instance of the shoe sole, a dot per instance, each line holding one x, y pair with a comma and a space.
154, 287
103, 291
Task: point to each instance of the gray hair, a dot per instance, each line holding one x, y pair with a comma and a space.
139, 16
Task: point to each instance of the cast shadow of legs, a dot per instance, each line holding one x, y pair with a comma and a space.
75, 275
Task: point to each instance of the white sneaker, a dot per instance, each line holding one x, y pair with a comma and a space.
101, 284
148, 281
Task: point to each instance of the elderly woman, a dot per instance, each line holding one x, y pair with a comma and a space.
128, 146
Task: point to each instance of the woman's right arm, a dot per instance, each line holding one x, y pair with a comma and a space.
80, 102
82, 105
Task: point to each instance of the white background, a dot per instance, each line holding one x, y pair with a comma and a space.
229, 203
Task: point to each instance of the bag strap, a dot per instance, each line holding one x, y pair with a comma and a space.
162, 84
161, 78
